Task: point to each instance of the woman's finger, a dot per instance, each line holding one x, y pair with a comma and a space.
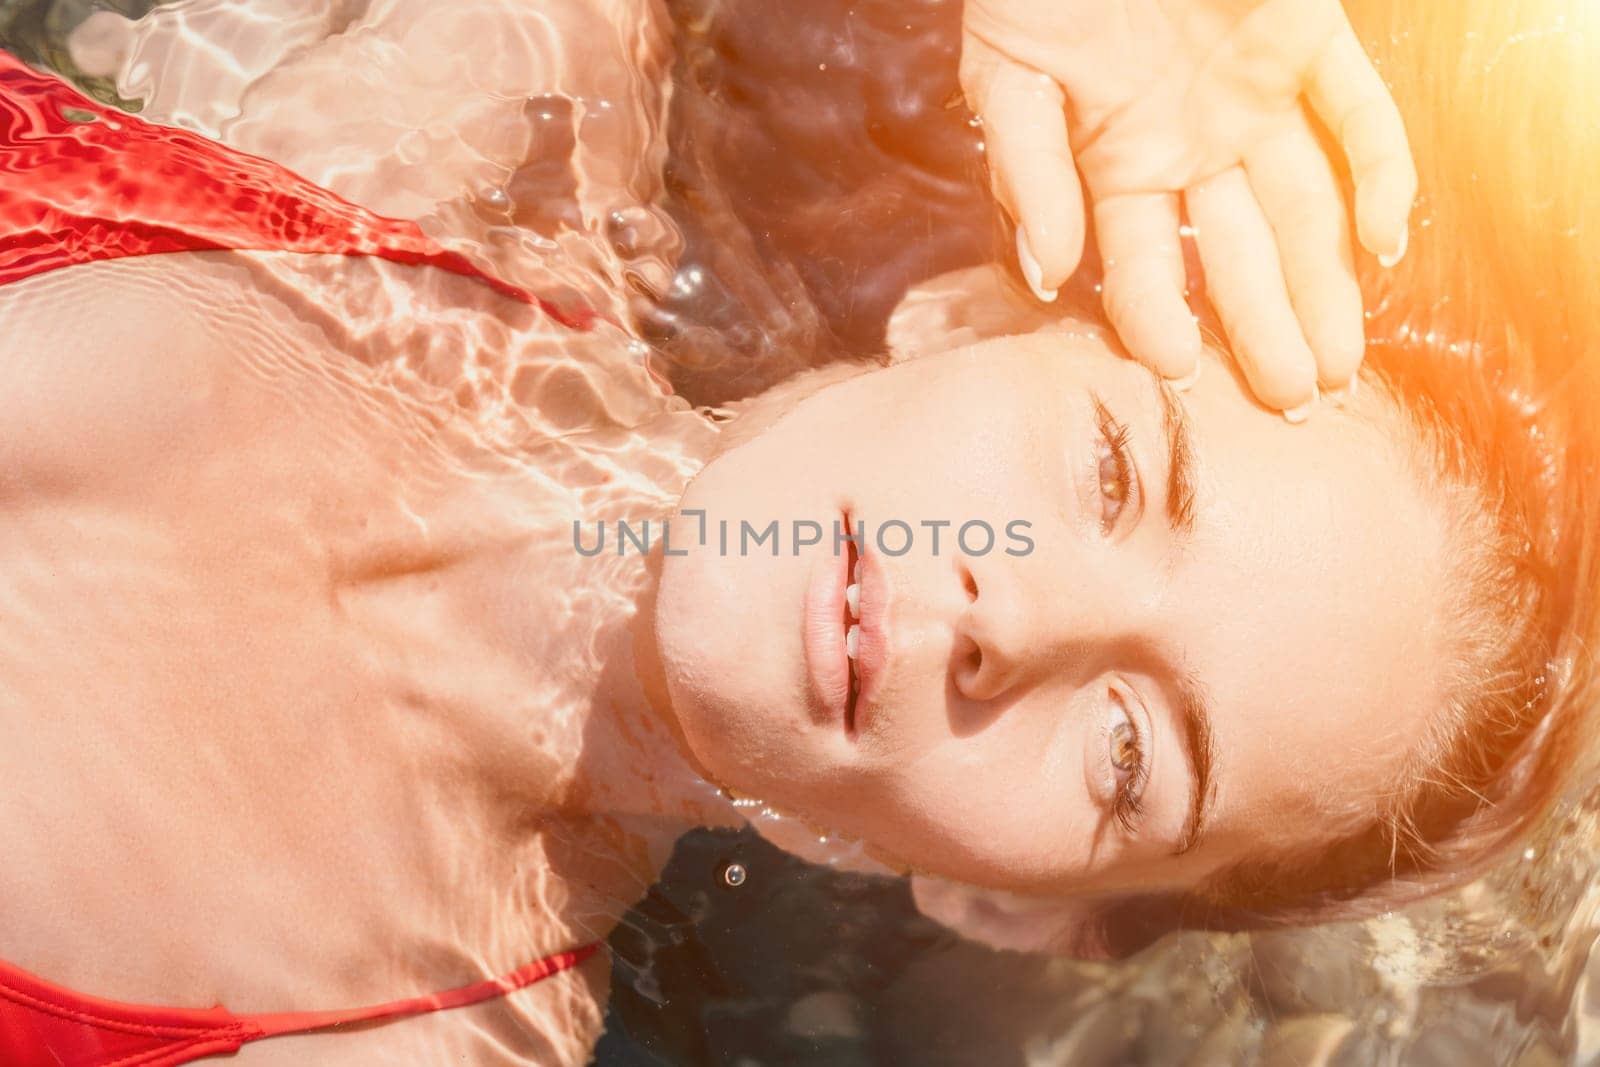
1143, 282
1025, 133
1298, 193
1349, 96
1244, 279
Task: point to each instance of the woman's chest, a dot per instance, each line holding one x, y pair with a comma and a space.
197, 598
215, 792
228, 692
176, 689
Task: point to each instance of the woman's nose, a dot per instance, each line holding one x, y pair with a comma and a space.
1010, 634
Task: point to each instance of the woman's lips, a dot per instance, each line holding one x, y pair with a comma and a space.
845, 685
822, 622
872, 639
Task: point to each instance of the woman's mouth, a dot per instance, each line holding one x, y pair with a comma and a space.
838, 636
852, 631
866, 637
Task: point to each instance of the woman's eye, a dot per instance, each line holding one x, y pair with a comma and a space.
1124, 748
1130, 766
1113, 489
1114, 468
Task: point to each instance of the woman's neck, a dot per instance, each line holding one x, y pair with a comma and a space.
578, 626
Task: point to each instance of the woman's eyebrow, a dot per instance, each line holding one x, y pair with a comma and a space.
1194, 719
1194, 709
1180, 460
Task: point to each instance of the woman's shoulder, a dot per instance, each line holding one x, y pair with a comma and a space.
104, 367
121, 370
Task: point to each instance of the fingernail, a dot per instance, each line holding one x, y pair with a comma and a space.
1032, 273
1297, 415
1346, 392
1184, 384
1389, 260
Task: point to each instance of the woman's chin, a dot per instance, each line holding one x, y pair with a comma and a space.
814, 844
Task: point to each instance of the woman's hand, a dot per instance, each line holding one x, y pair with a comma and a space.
1196, 105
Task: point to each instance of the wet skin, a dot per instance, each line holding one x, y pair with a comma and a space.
1179, 671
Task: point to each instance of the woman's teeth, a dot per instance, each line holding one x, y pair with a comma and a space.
852, 600
852, 603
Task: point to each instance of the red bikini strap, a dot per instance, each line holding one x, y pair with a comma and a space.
46, 1025
298, 1022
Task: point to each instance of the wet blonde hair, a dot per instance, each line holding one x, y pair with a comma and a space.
1481, 344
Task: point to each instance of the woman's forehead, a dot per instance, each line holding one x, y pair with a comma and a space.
1307, 603
1305, 599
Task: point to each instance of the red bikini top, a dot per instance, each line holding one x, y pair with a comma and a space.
78, 183
81, 182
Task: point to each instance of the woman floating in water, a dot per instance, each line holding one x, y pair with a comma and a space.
313, 701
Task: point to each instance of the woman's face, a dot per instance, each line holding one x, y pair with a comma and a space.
1153, 671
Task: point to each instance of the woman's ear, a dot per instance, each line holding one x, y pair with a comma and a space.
1067, 926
